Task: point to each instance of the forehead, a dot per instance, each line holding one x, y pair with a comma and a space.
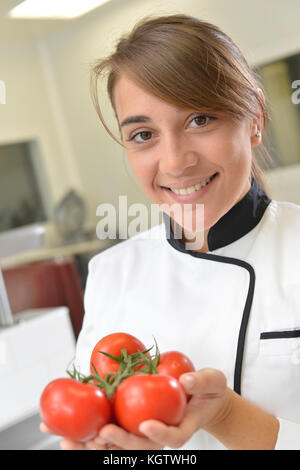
132, 98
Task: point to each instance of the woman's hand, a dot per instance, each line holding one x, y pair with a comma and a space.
102, 442
209, 404
235, 422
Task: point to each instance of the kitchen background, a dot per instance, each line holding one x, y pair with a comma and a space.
57, 164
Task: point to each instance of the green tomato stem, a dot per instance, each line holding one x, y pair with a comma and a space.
127, 365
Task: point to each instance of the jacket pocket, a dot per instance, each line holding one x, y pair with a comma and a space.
290, 333
281, 343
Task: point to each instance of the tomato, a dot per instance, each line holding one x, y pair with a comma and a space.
73, 409
174, 363
113, 344
145, 396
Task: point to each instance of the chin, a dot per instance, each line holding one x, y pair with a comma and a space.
202, 220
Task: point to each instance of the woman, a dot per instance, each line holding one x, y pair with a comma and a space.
190, 113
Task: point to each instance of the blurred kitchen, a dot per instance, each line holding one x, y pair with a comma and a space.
57, 164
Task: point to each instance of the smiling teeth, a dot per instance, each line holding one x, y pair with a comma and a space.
192, 189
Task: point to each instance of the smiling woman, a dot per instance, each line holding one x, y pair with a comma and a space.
182, 90
187, 63
191, 113
181, 156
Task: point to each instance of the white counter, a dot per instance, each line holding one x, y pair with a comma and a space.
33, 352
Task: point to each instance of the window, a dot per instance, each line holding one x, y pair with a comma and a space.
21, 201
277, 78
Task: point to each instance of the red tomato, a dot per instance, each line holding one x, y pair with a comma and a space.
145, 396
73, 409
113, 344
174, 363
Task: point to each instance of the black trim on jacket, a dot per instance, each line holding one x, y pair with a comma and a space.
236, 223
281, 334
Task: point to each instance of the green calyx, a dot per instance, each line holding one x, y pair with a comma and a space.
129, 365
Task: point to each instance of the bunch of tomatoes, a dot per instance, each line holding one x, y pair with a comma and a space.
126, 386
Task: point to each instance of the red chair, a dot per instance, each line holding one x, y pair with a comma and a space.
52, 283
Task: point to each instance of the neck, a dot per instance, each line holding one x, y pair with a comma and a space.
237, 222
199, 242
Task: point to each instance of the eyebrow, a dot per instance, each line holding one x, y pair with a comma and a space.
134, 119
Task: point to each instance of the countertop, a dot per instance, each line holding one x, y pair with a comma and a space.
50, 252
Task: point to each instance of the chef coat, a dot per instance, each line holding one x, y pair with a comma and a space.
235, 308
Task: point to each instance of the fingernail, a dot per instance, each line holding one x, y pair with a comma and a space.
189, 381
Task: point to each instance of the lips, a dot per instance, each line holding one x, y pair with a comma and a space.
191, 184
191, 194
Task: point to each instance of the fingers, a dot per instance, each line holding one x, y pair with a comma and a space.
164, 435
94, 444
44, 428
98, 443
123, 439
174, 436
208, 383
66, 444
208, 388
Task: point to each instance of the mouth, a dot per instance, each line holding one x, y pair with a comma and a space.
191, 189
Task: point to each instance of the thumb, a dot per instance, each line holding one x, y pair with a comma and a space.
207, 383
210, 396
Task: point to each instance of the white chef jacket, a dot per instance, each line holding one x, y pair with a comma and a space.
235, 308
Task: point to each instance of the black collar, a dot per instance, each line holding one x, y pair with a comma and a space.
236, 223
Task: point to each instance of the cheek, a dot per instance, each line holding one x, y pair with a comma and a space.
220, 150
144, 170
234, 154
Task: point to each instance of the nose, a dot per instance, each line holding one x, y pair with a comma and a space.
175, 157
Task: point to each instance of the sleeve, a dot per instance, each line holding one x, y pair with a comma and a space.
288, 435
87, 336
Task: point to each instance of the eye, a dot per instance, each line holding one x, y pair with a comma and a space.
201, 120
140, 137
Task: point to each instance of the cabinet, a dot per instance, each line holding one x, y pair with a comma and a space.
50, 283
37, 349
51, 277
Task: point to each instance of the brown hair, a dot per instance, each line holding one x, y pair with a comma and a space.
189, 63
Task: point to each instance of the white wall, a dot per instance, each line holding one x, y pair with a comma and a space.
28, 112
48, 86
284, 183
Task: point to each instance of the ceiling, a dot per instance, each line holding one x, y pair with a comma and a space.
6, 5
12, 29
254, 24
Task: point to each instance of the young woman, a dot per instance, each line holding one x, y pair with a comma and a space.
191, 112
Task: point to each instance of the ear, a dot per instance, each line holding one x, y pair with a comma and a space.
261, 94
257, 124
